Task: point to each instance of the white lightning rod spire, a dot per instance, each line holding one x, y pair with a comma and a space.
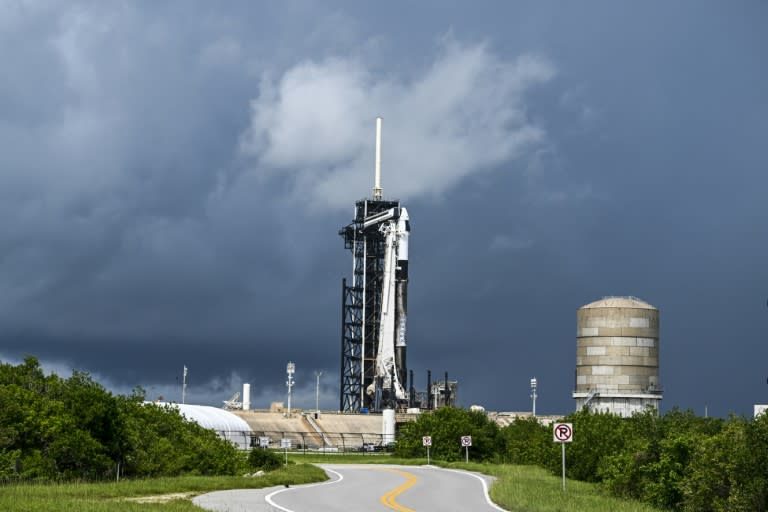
377, 178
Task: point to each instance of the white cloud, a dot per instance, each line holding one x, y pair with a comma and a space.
464, 114
313, 119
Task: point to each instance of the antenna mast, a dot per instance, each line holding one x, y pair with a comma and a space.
184, 387
290, 369
377, 177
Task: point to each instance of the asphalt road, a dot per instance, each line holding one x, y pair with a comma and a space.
367, 487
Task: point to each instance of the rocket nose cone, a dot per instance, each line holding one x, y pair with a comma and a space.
403, 224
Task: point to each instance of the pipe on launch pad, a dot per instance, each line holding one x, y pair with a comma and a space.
429, 389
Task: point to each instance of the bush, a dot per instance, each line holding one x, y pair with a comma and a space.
655, 462
264, 459
54, 428
526, 441
595, 435
446, 426
727, 471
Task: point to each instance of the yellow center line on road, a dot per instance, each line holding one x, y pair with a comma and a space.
389, 498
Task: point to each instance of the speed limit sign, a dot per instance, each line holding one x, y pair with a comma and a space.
466, 440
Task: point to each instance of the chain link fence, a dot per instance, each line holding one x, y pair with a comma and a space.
326, 442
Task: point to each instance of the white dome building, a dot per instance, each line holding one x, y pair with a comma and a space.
227, 425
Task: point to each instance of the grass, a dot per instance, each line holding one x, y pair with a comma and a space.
108, 497
517, 489
533, 489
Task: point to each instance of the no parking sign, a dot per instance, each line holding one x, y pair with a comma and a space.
427, 442
563, 433
466, 442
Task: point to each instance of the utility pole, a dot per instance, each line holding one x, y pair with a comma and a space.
317, 394
184, 387
291, 369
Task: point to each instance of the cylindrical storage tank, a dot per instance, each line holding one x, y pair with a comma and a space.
387, 426
246, 397
617, 356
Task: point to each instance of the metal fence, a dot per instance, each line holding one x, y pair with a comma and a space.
328, 442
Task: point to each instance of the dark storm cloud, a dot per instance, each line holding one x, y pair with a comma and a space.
116, 234
173, 178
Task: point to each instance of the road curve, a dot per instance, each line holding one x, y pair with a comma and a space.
369, 487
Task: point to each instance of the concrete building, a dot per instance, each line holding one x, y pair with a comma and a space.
617, 356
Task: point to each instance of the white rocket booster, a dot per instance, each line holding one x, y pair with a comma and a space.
391, 356
401, 293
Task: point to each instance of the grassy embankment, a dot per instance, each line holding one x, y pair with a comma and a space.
533, 489
108, 497
518, 488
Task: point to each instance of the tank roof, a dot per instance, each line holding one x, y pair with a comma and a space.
619, 302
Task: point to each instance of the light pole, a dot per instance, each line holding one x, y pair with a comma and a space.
291, 369
533, 394
184, 387
317, 394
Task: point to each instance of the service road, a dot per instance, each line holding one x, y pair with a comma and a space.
369, 487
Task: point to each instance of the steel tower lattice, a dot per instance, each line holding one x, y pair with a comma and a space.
361, 306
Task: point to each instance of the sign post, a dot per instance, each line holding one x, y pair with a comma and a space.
466, 442
563, 433
427, 441
285, 444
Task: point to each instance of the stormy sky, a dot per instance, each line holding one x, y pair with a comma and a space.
173, 176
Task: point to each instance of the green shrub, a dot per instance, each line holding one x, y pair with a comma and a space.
264, 459
526, 441
654, 464
446, 426
54, 428
727, 471
595, 435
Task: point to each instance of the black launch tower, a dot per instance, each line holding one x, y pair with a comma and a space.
361, 306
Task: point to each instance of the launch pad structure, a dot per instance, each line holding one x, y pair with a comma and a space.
374, 305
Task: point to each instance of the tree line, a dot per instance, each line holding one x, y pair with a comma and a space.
674, 461
55, 428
